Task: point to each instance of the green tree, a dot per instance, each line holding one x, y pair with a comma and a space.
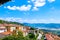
20, 36
31, 36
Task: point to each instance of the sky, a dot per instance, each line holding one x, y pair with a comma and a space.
31, 11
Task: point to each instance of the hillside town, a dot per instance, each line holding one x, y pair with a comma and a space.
9, 29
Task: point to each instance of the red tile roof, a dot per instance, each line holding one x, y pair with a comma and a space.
6, 33
2, 28
49, 37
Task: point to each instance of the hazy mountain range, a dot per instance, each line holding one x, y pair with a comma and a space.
46, 27
49, 26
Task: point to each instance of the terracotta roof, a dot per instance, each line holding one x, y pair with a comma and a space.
49, 37
1, 25
2, 28
27, 27
6, 33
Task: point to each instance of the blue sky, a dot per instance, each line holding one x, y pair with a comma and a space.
31, 11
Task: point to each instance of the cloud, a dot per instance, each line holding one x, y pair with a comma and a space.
50, 28
51, 1
11, 8
20, 8
24, 8
32, 5
54, 29
52, 19
39, 3
28, 1
21, 20
35, 8
11, 19
33, 0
